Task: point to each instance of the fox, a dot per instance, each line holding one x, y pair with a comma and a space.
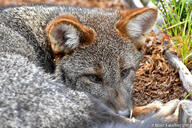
73, 67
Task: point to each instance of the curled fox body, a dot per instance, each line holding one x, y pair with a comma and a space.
69, 67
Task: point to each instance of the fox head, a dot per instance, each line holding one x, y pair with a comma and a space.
99, 52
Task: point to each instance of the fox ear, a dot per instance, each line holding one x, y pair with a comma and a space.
136, 22
65, 34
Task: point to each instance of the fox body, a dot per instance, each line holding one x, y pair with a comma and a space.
65, 66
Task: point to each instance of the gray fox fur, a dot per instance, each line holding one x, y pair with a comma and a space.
70, 67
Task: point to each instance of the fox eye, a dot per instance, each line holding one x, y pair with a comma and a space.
126, 72
95, 78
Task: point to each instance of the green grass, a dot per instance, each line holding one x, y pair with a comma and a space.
178, 25
190, 94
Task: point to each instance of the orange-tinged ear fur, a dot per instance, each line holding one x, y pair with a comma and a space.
86, 35
141, 23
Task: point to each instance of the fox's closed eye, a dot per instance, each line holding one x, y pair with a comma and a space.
94, 78
126, 72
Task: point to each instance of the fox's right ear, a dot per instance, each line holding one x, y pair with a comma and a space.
135, 23
65, 34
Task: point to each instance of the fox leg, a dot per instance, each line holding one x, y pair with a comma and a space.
170, 108
144, 110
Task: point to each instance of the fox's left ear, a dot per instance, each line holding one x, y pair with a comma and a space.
65, 34
135, 23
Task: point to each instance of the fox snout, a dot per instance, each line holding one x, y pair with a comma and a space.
122, 104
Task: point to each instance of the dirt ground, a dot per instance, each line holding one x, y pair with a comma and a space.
155, 79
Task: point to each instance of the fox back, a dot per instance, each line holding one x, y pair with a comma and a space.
88, 50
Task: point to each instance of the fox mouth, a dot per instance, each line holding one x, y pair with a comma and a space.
123, 112
127, 113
